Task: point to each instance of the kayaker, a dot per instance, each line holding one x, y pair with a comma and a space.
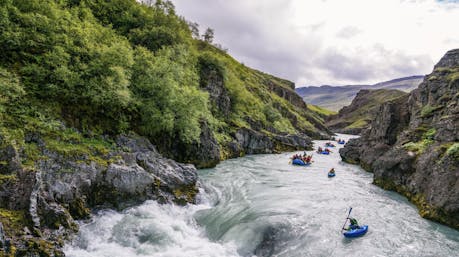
332, 171
354, 224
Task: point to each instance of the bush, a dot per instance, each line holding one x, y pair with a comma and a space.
453, 150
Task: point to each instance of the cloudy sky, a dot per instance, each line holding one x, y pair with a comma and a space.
334, 42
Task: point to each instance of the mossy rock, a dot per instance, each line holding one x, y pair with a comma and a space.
78, 210
13, 221
185, 194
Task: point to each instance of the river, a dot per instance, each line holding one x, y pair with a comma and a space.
260, 205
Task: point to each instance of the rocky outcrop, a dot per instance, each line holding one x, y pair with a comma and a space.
203, 154
255, 136
364, 108
249, 141
288, 93
211, 80
413, 144
61, 189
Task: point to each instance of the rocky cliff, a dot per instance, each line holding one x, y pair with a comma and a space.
41, 197
412, 146
352, 119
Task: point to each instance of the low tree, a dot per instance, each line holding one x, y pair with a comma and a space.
194, 27
208, 35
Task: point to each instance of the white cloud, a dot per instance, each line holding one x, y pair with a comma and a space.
334, 41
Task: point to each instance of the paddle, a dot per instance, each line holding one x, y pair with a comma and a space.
346, 219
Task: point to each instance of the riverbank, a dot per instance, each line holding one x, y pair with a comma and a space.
259, 204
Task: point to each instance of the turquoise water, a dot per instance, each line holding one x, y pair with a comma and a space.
262, 206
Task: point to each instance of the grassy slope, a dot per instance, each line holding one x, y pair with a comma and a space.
252, 99
95, 67
320, 112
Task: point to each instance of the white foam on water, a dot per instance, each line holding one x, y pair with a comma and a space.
150, 229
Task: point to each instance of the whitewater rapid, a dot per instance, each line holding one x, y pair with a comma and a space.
261, 205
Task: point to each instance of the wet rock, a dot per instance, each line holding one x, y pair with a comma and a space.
412, 144
249, 141
202, 154
59, 190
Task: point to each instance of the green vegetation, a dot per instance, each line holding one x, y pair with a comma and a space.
427, 110
73, 71
13, 221
320, 113
420, 146
368, 105
320, 110
451, 74
360, 123
453, 150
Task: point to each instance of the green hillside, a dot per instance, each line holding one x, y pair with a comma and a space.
82, 71
358, 115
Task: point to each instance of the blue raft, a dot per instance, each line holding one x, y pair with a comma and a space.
331, 175
325, 152
300, 162
356, 232
341, 142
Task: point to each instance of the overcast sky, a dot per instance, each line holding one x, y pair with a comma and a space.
334, 42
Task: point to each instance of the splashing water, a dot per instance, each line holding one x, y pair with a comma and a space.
263, 206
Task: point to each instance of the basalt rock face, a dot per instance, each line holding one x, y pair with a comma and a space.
364, 108
255, 137
248, 141
287, 93
203, 154
45, 201
413, 145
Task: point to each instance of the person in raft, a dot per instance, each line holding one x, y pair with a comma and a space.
319, 149
332, 171
327, 150
354, 224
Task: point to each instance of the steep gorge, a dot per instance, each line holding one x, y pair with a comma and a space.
412, 146
93, 94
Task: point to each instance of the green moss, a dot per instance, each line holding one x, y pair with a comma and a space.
418, 147
428, 110
361, 123
453, 150
430, 134
185, 194
78, 210
427, 140
425, 209
7, 178
453, 77
31, 153
13, 221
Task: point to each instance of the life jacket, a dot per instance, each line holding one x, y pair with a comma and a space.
353, 221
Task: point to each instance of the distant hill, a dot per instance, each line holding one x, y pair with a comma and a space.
358, 115
336, 97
